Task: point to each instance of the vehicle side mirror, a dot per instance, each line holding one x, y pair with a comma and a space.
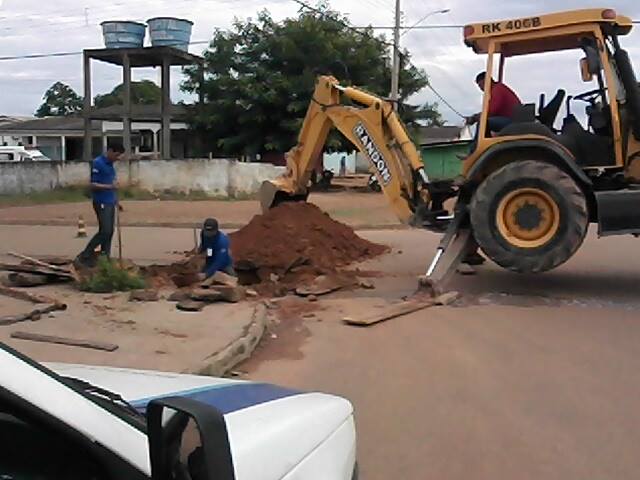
188, 440
587, 76
593, 59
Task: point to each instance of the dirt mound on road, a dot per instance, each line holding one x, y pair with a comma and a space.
288, 246
295, 240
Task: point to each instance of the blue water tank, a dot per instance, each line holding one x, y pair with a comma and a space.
170, 32
123, 34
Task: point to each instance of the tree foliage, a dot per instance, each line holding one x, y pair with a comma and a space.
59, 100
144, 92
260, 76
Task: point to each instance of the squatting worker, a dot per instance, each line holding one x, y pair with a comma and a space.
502, 106
105, 201
214, 244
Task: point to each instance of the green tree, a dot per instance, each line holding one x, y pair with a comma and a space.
260, 76
60, 100
144, 92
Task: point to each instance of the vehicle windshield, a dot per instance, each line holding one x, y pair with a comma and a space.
110, 401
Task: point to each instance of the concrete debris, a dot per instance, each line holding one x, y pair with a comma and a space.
219, 293
366, 284
144, 296
321, 285
190, 306
179, 296
447, 298
27, 279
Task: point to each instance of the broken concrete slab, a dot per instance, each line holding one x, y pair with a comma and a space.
144, 296
27, 280
190, 305
447, 298
366, 284
321, 285
179, 296
219, 293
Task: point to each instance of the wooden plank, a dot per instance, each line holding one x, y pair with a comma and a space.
29, 297
40, 263
387, 313
35, 270
73, 342
32, 315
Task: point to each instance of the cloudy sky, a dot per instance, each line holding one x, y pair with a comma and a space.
35, 27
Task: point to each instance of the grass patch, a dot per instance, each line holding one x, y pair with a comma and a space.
109, 277
76, 194
58, 195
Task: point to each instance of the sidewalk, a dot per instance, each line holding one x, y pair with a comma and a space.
152, 335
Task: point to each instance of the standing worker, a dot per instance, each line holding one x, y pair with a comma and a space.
105, 201
215, 245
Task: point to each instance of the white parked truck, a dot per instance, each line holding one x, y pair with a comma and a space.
78, 422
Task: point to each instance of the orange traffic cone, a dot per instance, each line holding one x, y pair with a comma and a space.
82, 229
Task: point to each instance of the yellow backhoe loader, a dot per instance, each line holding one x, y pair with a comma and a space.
528, 193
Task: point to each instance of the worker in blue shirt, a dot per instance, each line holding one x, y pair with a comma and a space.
214, 244
105, 201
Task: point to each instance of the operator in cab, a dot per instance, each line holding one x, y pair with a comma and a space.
214, 244
502, 106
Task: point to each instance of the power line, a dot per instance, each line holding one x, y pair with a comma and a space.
437, 94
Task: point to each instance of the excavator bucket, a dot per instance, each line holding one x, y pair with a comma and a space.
274, 192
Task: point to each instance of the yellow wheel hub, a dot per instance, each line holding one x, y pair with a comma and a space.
528, 217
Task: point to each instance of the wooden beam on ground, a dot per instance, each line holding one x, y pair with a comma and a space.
29, 297
40, 263
32, 315
73, 342
387, 313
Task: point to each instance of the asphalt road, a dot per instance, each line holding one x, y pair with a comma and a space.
531, 377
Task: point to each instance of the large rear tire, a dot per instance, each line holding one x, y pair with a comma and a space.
529, 216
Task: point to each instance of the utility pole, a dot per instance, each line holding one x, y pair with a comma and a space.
395, 69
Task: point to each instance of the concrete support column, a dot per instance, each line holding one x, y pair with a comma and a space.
126, 117
165, 110
86, 109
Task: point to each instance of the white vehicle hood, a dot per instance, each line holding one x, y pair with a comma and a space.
271, 429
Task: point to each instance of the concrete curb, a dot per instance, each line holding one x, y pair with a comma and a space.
236, 351
226, 226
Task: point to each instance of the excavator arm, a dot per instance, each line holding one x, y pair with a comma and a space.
375, 129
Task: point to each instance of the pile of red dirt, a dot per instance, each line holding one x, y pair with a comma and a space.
297, 241
288, 246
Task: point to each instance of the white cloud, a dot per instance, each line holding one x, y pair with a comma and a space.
33, 26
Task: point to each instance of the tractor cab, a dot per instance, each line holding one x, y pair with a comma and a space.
601, 126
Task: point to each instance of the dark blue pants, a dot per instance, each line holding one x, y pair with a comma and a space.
106, 215
494, 125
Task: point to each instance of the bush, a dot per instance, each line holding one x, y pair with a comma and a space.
109, 277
